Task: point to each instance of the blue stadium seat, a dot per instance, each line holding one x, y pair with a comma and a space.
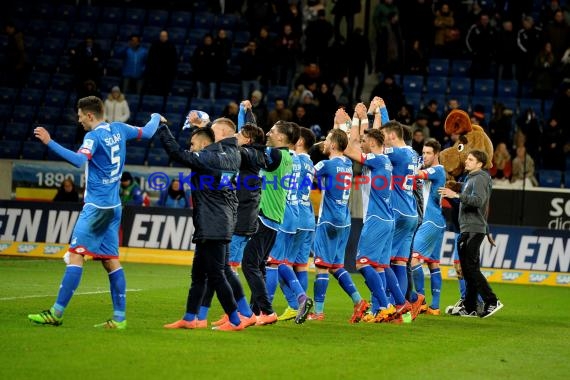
128, 30
153, 103
201, 105
44, 10
549, 178
183, 138
65, 133
24, 114
177, 35
49, 115
157, 157
438, 67
31, 96
175, 119
157, 17
62, 81
535, 104
413, 84
46, 62
8, 95
204, 20
66, 13
89, 13
176, 104
483, 87
33, 150
5, 112
38, 79
151, 33
460, 68
135, 16
108, 82
414, 99
567, 176
182, 88
227, 22
547, 107
507, 88
184, 71
53, 46
17, 131
136, 155
114, 66
37, 27
181, 19
196, 35
113, 14
273, 92
241, 38
485, 101
59, 29
463, 100
106, 30
508, 102
83, 29
219, 106
436, 85
10, 148
187, 52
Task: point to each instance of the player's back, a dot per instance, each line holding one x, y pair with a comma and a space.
432, 199
405, 164
376, 193
335, 176
106, 146
291, 183
306, 213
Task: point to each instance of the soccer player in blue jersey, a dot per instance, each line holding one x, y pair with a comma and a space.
96, 232
374, 247
333, 226
297, 255
429, 237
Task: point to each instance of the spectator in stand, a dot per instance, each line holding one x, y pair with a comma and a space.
416, 60
523, 168
502, 166
327, 106
231, 111
418, 141
301, 117
266, 53
291, 15
478, 116
224, 51
528, 43
530, 128
311, 74
405, 115
390, 55
286, 54
206, 67
250, 70
417, 22
318, 34
16, 66
358, 45
445, 31
345, 9
421, 124
130, 191
86, 59
552, 149
161, 65
67, 192
480, 41
560, 108
501, 125
506, 47
279, 112
89, 88
116, 106
558, 33
259, 109
391, 92
380, 21
134, 63
543, 73
174, 196
434, 123
259, 13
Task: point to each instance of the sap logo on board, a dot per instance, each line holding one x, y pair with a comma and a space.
52, 249
537, 277
563, 279
487, 273
452, 272
511, 276
26, 248
4, 246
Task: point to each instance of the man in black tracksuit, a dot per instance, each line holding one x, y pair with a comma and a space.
214, 167
474, 201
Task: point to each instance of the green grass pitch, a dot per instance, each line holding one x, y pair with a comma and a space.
528, 339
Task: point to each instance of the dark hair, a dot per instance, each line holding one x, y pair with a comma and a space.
394, 126
375, 134
253, 132
308, 137
434, 144
207, 133
290, 130
92, 104
480, 156
406, 133
339, 138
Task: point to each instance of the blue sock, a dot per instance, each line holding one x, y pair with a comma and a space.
118, 294
401, 273
346, 283
418, 276
303, 277
435, 287
189, 317
462, 288
243, 307
289, 294
69, 283
375, 285
203, 313
394, 287
385, 287
271, 281
320, 290
287, 274
234, 318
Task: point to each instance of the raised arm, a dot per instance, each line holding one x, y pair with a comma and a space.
74, 158
245, 114
359, 125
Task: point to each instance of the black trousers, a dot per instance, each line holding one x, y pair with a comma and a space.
255, 255
208, 264
469, 256
233, 280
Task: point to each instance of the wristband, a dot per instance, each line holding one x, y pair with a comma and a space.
355, 122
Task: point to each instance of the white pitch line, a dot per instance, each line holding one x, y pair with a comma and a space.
75, 294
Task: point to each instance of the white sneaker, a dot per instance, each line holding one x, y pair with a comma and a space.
491, 309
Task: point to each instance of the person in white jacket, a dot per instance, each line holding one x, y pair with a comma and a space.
116, 106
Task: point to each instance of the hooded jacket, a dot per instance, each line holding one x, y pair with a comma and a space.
474, 199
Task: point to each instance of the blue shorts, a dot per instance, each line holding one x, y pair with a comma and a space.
96, 232
281, 247
236, 249
427, 243
375, 244
330, 245
301, 249
403, 232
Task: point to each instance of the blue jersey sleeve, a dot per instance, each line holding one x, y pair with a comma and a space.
76, 159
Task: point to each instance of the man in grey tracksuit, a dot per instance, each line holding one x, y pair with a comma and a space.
474, 201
